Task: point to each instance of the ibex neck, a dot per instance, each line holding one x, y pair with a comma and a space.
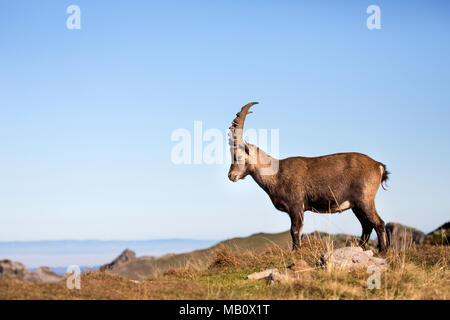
264, 172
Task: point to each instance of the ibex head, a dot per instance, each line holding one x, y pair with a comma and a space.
240, 150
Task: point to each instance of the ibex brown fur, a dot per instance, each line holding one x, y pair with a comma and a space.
326, 184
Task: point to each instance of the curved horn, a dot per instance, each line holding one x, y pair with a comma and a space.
237, 125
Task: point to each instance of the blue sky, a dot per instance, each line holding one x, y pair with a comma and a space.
86, 116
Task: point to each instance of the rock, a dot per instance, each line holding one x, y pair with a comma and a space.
361, 257
286, 276
126, 256
263, 275
45, 274
290, 274
11, 270
272, 275
403, 237
135, 281
300, 266
14, 270
440, 236
293, 272
352, 258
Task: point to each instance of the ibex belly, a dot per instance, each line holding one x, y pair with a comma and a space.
330, 206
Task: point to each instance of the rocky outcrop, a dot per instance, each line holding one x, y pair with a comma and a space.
126, 256
45, 274
14, 270
263, 275
300, 266
352, 258
440, 236
291, 273
403, 237
11, 270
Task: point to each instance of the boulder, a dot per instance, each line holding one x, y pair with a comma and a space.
352, 258
45, 274
14, 270
11, 270
126, 256
272, 275
291, 273
283, 277
403, 237
440, 236
300, 266
263, 275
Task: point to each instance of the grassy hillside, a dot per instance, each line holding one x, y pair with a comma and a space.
420, 272
143, 267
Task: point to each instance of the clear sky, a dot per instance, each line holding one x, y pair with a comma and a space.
86, 116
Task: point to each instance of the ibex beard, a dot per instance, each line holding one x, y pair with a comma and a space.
326, 184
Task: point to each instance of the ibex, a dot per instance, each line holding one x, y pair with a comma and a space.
327, 184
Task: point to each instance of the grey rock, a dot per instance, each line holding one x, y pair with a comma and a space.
126, 256
300, 266
11, 270
403, 237
291, 273
45, 274
361, 257
440, 236
284, 277
272, 275
263, 275
352, 258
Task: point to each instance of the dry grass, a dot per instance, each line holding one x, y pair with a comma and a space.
419, 272
143, 267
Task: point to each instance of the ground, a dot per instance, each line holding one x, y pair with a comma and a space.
420, 272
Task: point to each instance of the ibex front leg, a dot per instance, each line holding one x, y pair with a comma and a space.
296, 216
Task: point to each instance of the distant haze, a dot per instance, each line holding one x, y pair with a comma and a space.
90, 252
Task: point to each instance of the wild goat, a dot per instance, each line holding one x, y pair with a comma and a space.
326, 184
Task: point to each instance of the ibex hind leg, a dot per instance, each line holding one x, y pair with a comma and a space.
369, 213
366, 225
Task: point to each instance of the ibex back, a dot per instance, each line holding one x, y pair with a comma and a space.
326, 184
